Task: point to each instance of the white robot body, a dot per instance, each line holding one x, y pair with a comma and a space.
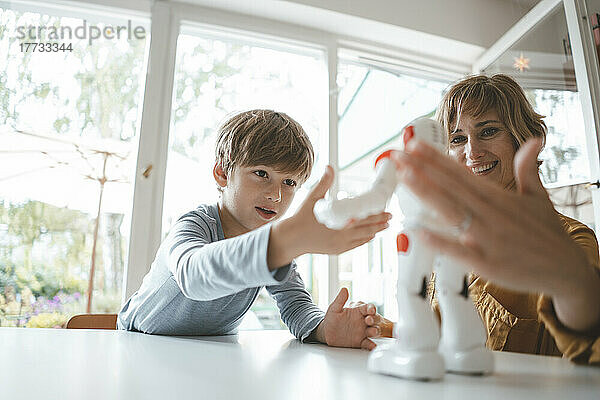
418, 351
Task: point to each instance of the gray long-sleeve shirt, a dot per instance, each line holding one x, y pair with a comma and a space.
202, 284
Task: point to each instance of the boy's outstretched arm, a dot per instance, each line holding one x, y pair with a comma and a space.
302, 233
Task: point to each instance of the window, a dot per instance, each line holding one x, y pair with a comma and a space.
542, 62
547, 74
373, 106
69, 122
216, 75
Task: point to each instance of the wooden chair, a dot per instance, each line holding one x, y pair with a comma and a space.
93, 321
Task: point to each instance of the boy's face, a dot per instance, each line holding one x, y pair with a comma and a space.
253, 196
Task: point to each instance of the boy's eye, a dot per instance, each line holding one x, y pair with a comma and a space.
489, 132
290, 182
459, 139
262, 173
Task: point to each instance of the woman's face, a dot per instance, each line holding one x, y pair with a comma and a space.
485, 146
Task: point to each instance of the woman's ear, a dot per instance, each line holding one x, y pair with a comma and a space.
219, 175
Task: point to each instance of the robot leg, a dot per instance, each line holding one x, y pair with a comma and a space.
413, 353
463, 336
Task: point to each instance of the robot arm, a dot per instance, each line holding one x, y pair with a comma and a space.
337, 213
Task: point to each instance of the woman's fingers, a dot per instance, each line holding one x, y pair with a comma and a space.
443, 169
367, 344
457, 194
526, 169
373, 331
386, 328
449, 205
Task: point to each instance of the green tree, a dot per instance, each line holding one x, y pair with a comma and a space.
25, 261
560, 154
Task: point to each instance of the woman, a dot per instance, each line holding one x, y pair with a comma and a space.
536, 281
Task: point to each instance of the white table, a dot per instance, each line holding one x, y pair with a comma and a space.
94, 364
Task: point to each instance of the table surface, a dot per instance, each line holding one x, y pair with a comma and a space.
95, 364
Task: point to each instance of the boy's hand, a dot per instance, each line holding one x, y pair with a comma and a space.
302, 233
318, 238
348, 327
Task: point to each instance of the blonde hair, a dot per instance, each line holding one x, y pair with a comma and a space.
478, 94
264, 137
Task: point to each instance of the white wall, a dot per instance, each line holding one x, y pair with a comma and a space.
445, 34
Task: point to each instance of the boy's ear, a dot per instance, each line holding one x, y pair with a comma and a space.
219, 175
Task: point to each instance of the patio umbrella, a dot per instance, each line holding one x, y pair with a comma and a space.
70, 172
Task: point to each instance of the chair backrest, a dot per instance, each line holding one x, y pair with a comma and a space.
93, 321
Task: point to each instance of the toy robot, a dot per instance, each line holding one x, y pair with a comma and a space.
417, 351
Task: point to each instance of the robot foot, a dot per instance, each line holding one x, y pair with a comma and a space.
408, 364
475, 361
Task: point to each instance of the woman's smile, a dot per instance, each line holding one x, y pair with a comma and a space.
483, 169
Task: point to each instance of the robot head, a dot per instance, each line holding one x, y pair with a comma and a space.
424, 129
427, 130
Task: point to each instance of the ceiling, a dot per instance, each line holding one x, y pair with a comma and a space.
458, 31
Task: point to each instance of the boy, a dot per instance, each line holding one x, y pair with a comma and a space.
213, 263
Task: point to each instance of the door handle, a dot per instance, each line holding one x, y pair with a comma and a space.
593, 185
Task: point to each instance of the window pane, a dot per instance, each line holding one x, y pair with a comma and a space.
69, 122
373, 106
216, 76
541, 61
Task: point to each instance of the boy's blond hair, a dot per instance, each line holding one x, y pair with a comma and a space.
264, 137
478, 94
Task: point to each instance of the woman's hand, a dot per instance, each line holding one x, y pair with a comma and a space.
514, 239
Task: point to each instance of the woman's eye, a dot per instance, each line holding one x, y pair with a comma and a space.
261, 173
290, 182
457, 140
489, 132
